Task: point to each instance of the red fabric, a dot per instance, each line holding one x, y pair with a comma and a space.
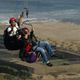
12, 19
28, 47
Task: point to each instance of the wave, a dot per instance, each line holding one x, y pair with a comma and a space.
34, 20
68, 15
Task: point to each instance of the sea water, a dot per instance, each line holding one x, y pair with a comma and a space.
41, 10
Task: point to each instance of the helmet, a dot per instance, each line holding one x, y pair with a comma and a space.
12, 19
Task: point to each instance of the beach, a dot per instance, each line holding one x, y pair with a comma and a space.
63, 35
56, 21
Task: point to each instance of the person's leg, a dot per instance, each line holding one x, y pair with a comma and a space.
42, 53
47, 46
44, 56
21, 45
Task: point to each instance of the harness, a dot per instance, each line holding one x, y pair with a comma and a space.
10, 42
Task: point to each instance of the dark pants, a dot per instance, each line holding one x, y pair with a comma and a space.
13, 44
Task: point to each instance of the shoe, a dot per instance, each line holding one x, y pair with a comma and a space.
49, 64
53, 55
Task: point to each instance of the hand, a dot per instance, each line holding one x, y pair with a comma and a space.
31, 33
19, 36
26, 36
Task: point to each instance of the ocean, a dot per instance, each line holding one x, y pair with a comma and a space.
42, 10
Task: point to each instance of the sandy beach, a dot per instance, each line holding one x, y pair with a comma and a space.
61, 34
55, 21
62, 31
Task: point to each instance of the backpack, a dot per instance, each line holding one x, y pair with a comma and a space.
28, 55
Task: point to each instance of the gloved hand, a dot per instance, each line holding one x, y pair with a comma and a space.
31, 34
